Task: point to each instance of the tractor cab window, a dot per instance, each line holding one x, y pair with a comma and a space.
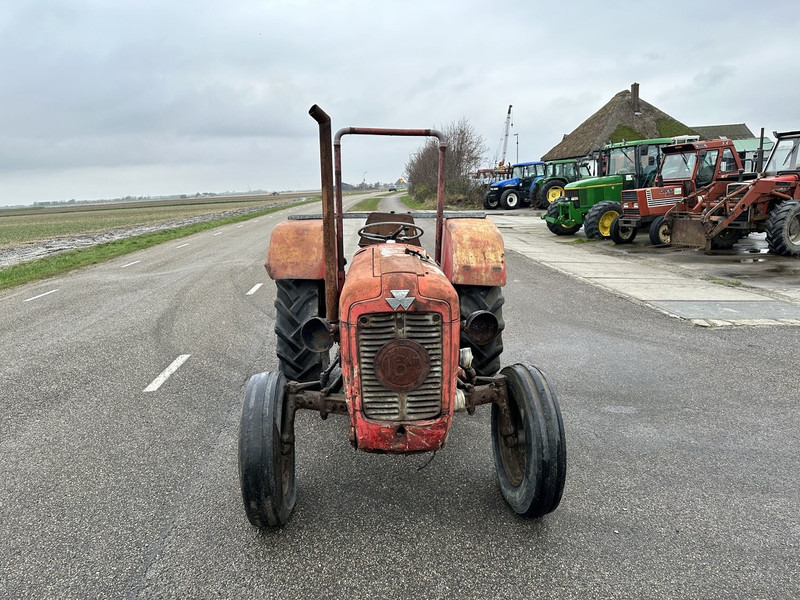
728, 163
621, 161
784, 156
648, 164
678, 165
708, 160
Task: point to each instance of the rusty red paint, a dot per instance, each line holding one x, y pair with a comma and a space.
296, 251
410, 287
473, 252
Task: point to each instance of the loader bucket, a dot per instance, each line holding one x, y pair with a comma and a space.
689, 233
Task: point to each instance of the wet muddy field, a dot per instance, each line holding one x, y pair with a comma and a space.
12, 255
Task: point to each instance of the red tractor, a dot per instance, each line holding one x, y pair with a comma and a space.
718, 215
417, 338
684, 168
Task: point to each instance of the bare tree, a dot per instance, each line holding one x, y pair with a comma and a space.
465, 151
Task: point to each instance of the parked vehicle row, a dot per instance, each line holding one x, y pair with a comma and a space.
686, 192
535, 184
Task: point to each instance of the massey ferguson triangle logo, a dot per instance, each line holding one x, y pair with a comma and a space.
400, 298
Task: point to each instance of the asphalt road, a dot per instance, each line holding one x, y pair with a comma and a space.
682, 450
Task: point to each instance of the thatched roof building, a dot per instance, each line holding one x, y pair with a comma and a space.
624, 117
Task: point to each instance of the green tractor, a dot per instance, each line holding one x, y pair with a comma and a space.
594, 203
557, 174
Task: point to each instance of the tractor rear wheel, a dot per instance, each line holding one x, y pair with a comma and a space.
597, 223
622, 234
783, 229
298, 300
510, 199
550, 192
531, 459
486, 357
660, 232
266, 452
558, 229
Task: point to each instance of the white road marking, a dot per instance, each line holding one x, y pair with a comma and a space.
240, 226
41, 295
158, 381
130, 264
218, 233
254, 289
182, 245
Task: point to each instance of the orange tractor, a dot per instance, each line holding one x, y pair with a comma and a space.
684, 167
718, 215
415, 338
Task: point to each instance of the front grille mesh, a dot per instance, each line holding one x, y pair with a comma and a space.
374, 331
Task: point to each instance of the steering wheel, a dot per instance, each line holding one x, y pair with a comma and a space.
395, 235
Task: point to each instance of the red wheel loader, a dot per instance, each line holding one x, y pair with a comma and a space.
718, 215
397, 344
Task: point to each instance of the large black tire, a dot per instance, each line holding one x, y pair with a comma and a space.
266, 463
297, 301
725, 240
491, 201
597, 223
531, 464
660, 232
552, 211
783, 229
622, 234
485, 358
510, 199
550, 192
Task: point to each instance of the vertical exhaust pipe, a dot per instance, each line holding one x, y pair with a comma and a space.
328, 224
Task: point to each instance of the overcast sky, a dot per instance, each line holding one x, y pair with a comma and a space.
109, 98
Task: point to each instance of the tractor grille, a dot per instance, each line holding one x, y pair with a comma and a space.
374, 331
629, 196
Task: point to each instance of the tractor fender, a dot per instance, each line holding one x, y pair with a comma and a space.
473, 252
296, 250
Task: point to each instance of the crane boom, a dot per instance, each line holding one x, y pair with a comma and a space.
505, 137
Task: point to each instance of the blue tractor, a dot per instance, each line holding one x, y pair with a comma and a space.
520, 190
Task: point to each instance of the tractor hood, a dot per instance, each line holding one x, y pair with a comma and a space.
594, 182
513, 182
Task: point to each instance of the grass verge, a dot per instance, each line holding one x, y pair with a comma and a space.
63, 262
414, 205
368, 204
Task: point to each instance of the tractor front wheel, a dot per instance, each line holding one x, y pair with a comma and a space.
599, 218
783, 229
266, 452
557, 228
510, 199
298, 300
660, 232
622, 234
491, 201
550, 192
725, 240
530, 452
